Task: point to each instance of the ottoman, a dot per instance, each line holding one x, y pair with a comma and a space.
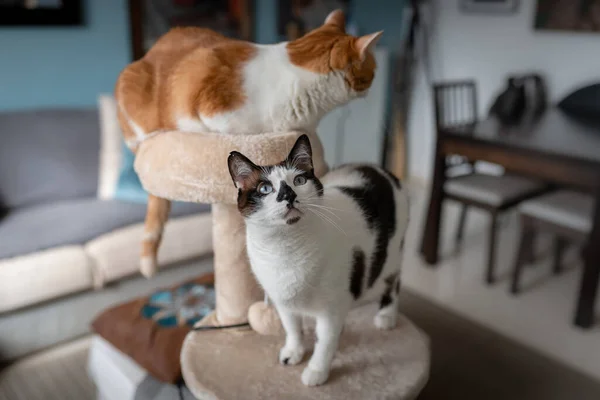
118, 377
135, 353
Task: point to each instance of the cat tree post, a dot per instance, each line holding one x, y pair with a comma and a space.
233, 274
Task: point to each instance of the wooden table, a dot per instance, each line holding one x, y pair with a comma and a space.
555, 148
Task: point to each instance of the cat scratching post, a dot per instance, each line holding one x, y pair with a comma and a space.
240, 363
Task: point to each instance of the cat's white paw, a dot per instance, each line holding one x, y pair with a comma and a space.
291, 355
148, 266
313, 377
386, 321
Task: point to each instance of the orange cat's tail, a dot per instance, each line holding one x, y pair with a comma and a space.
156, 217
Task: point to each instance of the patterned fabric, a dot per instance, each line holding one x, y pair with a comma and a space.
184, 305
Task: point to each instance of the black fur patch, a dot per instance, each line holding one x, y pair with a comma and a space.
358, 273
393, 178
397, 287
249, 201
292, 221
377, 202
311, 176
386, 298
389, 281
286, 193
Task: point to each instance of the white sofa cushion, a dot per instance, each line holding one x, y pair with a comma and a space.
117, 254
44, 275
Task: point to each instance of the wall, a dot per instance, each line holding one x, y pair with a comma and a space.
64, 66
376, 15
488, 48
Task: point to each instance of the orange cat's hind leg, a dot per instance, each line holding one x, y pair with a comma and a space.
135, 93
156, 217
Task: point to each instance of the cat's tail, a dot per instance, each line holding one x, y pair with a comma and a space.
156, 218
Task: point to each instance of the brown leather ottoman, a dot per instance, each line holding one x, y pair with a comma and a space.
151, 330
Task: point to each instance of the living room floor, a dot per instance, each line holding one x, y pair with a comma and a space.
540, 317
482, 338
468, 362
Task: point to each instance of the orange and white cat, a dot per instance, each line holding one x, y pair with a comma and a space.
197, 80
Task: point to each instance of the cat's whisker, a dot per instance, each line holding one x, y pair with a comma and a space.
329, 208
324, 209
327, 219
335, 224
320, 216
314, 196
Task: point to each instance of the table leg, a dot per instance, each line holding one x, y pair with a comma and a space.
431, 234
584, 316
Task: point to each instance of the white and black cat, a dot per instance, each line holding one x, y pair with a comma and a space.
320, 247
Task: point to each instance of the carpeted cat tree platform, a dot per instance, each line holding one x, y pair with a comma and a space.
241, 363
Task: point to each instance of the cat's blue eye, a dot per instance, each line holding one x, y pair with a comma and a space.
299, 180
265, 188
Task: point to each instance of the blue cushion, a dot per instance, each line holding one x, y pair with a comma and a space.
70, 222
129, 187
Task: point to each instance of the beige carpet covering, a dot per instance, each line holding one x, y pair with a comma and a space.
370, 364
193, 167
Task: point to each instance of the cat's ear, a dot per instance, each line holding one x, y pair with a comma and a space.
336, 18
243, 171
301, 154
366, 44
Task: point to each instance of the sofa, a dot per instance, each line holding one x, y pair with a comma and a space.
65, 251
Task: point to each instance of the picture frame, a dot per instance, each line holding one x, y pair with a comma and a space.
297, 17
576, 16
489, 6
150, 19
41, 12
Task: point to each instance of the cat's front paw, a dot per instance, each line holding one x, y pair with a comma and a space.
148, 266
313, 377
386, 321
289, 355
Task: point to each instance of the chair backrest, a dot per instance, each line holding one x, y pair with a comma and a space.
455, 108
455, 104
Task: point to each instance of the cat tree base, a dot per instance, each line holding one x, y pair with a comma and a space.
370, 364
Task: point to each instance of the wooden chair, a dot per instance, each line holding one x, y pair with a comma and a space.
456, 108
565, 214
